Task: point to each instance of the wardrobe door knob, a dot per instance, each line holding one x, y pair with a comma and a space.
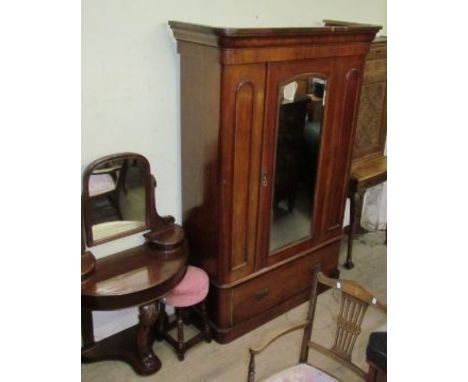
264, 180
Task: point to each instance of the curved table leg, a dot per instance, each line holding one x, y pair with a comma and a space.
149, 314
132, 345
87, 331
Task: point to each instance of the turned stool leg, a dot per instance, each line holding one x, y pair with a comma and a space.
355, 221
206, 326
186, 317
180, 334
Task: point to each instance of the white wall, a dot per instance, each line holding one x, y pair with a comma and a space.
130, 82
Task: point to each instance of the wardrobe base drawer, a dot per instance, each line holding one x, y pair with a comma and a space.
266, 291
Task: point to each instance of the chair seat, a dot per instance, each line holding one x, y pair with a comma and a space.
369, 169
301, 373
191, 290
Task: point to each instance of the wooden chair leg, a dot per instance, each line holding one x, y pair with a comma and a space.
349, 255
371, 376
206, 326
251, 375
375, 374
180, 335
355, 221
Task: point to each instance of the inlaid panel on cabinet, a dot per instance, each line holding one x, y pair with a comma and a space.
241, 125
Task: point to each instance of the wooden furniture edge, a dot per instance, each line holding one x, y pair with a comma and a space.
270, 338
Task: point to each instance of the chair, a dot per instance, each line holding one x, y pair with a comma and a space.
364, 175
108, 181
190, 292
353, 306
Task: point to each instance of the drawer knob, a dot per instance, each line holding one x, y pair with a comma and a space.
262, 293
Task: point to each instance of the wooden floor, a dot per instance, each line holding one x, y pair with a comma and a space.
225, 363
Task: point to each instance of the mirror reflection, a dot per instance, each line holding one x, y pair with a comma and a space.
117, 198
301, 106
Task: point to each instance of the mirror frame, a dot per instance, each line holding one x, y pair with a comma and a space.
153, 221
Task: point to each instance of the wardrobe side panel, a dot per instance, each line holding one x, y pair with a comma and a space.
200, 113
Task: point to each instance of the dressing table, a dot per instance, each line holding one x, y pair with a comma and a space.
135, 277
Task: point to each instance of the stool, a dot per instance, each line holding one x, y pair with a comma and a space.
191, 291
363, 176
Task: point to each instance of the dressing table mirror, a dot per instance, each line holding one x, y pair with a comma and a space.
118, 199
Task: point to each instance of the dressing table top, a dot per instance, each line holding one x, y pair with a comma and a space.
133, 277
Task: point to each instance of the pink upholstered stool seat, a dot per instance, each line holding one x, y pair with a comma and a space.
191, 290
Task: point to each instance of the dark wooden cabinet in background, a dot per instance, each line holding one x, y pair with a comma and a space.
369, 162
232, 85
371, 128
